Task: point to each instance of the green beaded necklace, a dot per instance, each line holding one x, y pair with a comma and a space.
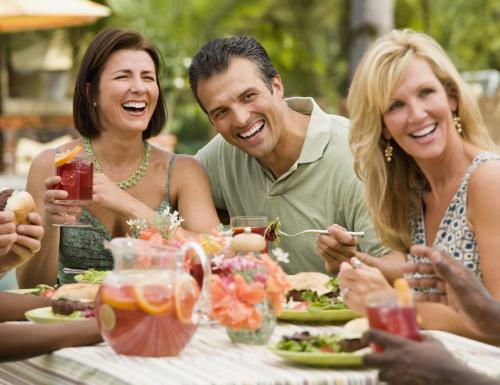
132, 179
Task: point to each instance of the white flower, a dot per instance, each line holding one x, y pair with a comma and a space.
165, 221
217, 260
281, 256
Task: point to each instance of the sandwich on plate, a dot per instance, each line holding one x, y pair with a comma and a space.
313, 292
75, 299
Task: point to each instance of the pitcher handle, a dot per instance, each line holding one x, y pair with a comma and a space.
201, 310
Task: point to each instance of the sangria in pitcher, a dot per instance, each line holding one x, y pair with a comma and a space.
149, 305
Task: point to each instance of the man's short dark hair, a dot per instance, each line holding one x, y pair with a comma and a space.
215, 57
85, 111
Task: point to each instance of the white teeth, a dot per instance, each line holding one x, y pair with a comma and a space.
424, 131
253, 130
134, 104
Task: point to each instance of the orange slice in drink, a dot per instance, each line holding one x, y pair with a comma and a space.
154, 298
119, 297
67, 156
107, 317
186, 295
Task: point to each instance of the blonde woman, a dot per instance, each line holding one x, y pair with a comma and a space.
427, 162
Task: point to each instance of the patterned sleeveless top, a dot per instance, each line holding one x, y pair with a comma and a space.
83, 247
454, 235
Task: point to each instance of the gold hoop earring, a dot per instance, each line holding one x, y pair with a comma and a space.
388, 151
457, 122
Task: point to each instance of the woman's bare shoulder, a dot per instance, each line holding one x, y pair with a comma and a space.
486, 175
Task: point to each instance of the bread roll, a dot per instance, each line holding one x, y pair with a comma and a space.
248, 242
19, 202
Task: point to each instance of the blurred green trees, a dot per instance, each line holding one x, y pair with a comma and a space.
307, 40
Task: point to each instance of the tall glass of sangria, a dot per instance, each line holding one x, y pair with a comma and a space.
393, 311
149, 305
77, 179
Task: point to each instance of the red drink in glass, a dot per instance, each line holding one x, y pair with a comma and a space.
386, 313
255, 230
256, 224
196, 271
396, 320
145, 320
77, 180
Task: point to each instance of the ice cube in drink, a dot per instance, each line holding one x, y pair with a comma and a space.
77, 180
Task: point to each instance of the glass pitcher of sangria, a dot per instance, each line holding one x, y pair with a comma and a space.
149, 305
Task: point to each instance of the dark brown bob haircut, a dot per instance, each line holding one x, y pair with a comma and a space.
85, 113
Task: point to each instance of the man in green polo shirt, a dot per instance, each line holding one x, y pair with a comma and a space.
279, 157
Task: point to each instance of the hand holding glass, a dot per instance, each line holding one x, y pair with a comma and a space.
386, 311
77, 179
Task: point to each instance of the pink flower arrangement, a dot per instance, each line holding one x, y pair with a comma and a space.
242, 282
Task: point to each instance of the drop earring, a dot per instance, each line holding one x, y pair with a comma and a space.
388, 151
457, 122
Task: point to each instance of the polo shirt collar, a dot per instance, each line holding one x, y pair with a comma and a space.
318, 130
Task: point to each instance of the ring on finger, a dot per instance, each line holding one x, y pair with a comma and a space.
356, 263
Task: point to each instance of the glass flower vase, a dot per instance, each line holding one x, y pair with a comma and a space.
259, 336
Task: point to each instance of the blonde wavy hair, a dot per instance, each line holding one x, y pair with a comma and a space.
392, 187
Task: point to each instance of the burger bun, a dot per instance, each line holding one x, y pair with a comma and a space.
355, 328
309, 281
84, 292
21, 203
248, 242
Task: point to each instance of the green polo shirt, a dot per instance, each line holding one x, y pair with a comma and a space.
318, 190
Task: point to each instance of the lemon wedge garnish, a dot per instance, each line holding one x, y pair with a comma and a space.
67, 156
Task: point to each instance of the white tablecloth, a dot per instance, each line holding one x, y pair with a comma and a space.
211, 358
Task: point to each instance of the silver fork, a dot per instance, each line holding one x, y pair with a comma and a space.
67, 270
359, 234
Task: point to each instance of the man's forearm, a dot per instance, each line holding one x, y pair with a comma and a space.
24, 341
15, 305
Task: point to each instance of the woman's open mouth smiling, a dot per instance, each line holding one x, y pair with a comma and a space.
134, 107
424, 132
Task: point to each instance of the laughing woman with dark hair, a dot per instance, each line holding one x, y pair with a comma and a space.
117, 106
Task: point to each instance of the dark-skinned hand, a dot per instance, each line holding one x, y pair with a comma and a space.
460, 289
408, 362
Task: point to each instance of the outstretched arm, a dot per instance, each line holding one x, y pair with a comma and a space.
15, 305
24, 341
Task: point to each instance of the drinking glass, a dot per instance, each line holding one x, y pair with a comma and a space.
256, 224
386, 312
77, 179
